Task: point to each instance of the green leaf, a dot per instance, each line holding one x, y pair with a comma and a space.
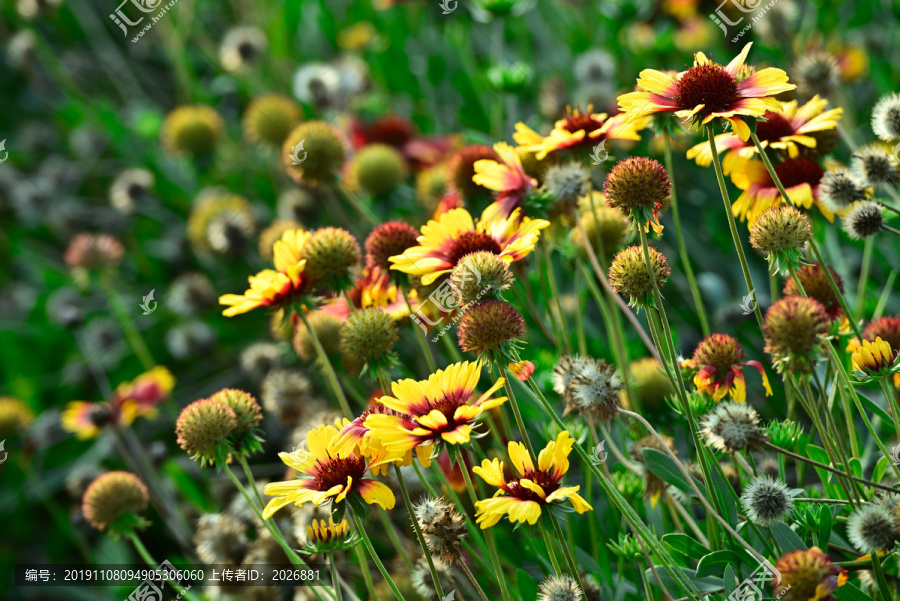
786, 538
886, 422
528, 588
825, 522
880, 469
186, 485
706, 584
817, 453
714, 563
850, 592
662, 465
684, 545
730, 578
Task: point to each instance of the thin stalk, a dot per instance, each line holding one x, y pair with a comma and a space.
330, 374
465, 568
554, 294
368, 543
415, 522
550, 552
420, 336
732, 226
358, 205
132, 335
334, 577
570, 560
827, 468
883, 587
679, 236
579, 315
395, 538
364, 568
148, 559
868, 246
251, 481
518, 415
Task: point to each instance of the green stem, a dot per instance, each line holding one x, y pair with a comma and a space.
573, 566
827, 468
550, 552
395, 539
461, 562
520, 423
420, 336
679, 236
132, 335
251, 481
415, 522
554, 294
334, 577
883, 587
368, 543
148, 559
364, 568
868, 246
330, 374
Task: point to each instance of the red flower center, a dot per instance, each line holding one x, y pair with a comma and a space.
581, 121
335, 471
775, 127
709, 85
447, 406
469, 242
720, 351
794, 172
547, 482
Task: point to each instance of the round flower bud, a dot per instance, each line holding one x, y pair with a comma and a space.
272, 234
766, 500
389, 240
15, 416
559, 588
191, 130
780, 228
368, 336
202, 425
876, 166
795, 328
112, 495
330, 253
863, 219
313, 153
246, 410
839, 188
378, 168
816, 286
806, 574
488, 326
567, 183
872, 528
732, 427
886, 118
327, 327
269, 118
637, 183
461, 169
629, 275
606, 228
480, 276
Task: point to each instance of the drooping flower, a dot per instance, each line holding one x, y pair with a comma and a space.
801, 178
524, 496
278, 287
455, 234
807, 574
786, 129
708, 92
325, 476
718, 359
507, 177
439, 409
576, 130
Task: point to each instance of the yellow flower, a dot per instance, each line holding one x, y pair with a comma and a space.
507, 178
578, 130
273, 287
325, 476
709, 91
874, 358
524, 497
785, 129
455, 234
426, 412
800, 177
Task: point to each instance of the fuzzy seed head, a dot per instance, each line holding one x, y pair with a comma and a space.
110, 496
559, 588
816, 286
732, 427
886, 118
872, 528
766, 500
286, 394
130, 187
378, 168
260, 358
816, 72
220, 538
863, 219
479, 276
876, 166
629, 275
443, 527
324, 152
840, 188
567, 183
204, 424
488, 326
795, 329
368, 335
638, 182
595, 389
269, 118
780, 228
389, 240
564, 371
330, 253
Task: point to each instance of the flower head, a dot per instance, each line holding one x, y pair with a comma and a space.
443, 527
507, 178
191, 130
203, 430
795, 330
876, 166
639, 187
269, 118
732, 427
559, 588
872, 528
325, 477
242, 47
93, 251
455, 234
480, 276
766, 500
111, 497
440, 409
330, 253
719, 361
491, 329
378, 168
368, 337
567, 183
578, 130
807, 574
319, 149
461, 170
524, 496
272, 234
219, 218
886, 117
875, 359
247, 411
327, 328
220, 538
801, 178
629, 275
594, 388
781, 232
327, 537
15, 417
130, 187
709, 91
863, 219
816, 73
388, 240
840, 188
288, 394
888, 328
606, 228
816, 286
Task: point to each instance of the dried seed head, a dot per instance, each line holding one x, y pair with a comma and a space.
872, 528
112, 495
732, 427
863, 219
766, 500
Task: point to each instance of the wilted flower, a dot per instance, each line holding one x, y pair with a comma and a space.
733, 427
111, 498
816, 73
260, 358
242, 47
593, 388
567, 183
220, 538
286, 393
190, 293
443, 527
766, 500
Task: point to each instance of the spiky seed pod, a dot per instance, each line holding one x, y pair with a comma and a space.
816, 286
368, 336
876, 166
112, 495
489, 327
242, 47
559, 588
638, 183
480, 276
649, 382
246, 410
766, 500
816, 72
629, 275
795, 329
220, 538
780, 228
378, 168
720, 351
806, 574
839, 188
886, 118
269, 118
606, 228
286, 394
191, 130
567, 183
595, 389
330, 253
93, 251
389, 240
272, 234
863, 219
260, 358
733, 427
872, 528
443, 527
461, 169
319, 156
886, 328
202, 426
129, 188
327, 327
15, 417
